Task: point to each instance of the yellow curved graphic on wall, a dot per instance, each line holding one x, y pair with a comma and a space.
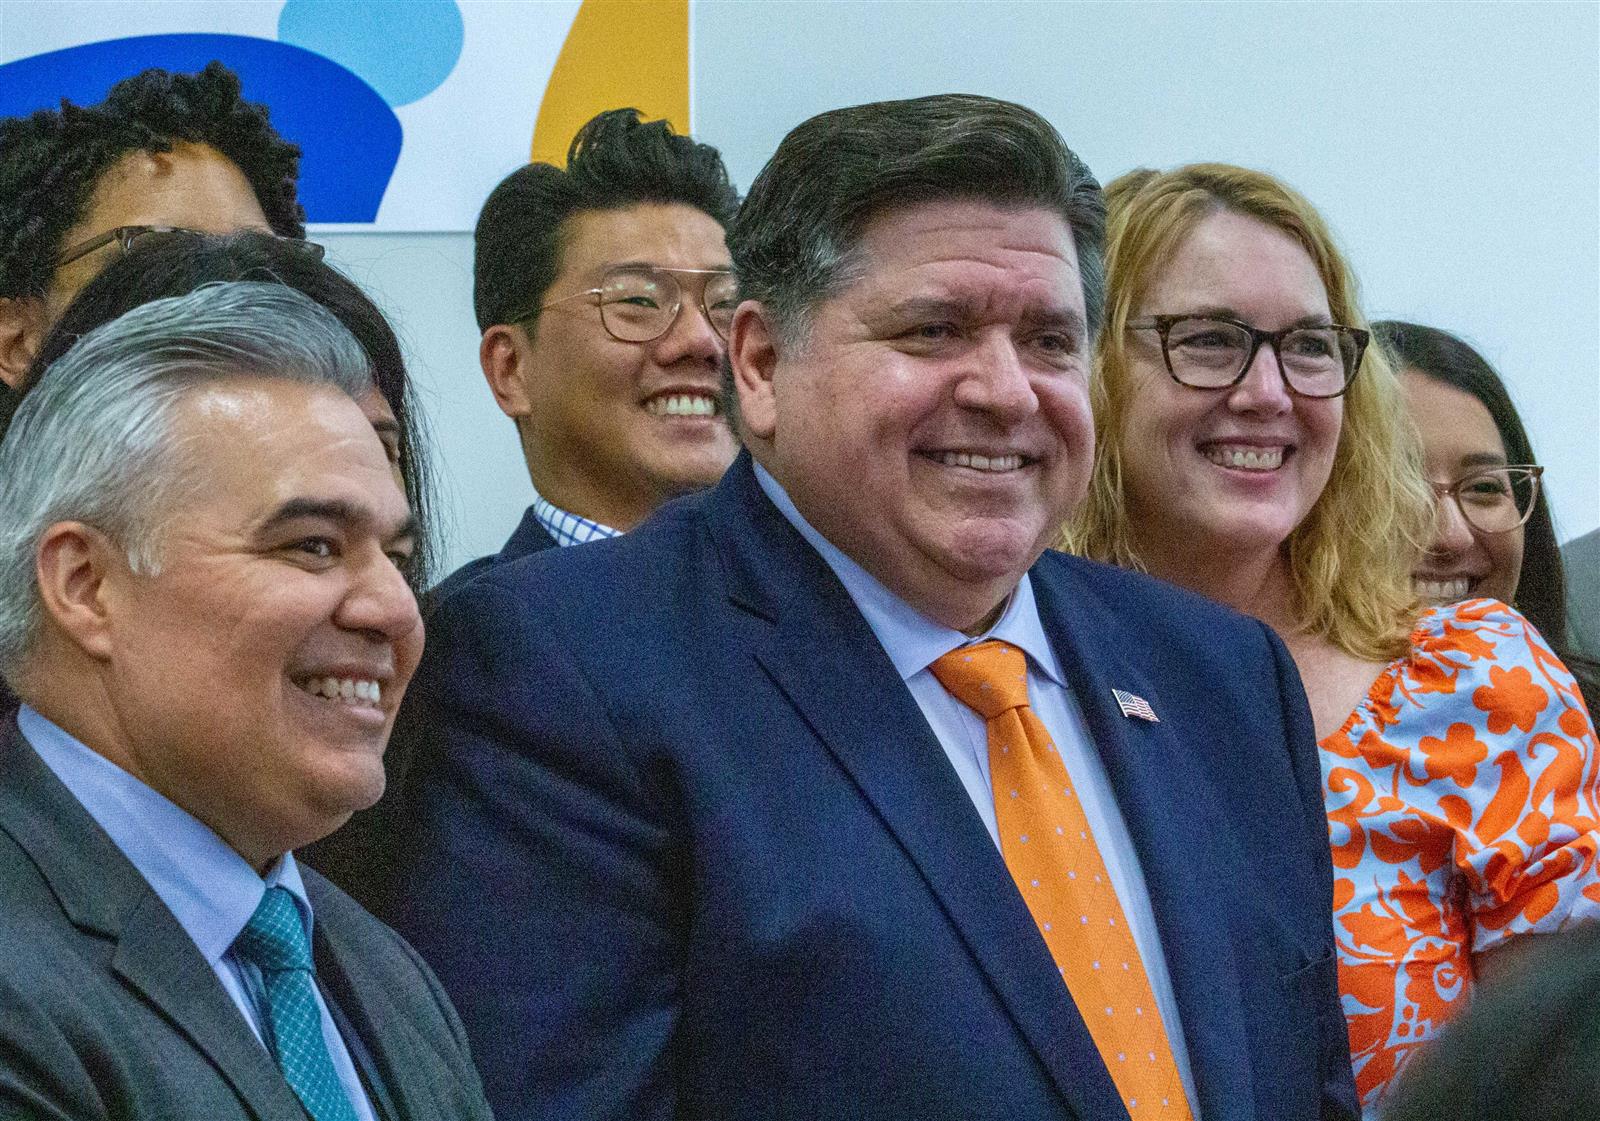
618, 53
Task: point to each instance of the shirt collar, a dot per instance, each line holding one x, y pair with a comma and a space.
566, 527
211, 890
911, 639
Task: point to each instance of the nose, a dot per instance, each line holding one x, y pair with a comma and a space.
997, 381
1262, 392
379, 602
1451, 532
690, 338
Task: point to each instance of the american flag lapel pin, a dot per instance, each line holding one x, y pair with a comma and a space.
1133, 705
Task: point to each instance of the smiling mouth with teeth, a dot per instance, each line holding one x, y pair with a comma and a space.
1247, 459
351, 691
683, 404
993, 463
1445, 590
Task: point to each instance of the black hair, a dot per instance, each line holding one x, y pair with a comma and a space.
51, 161
616, 160
1541, 588
173, 266
794, 238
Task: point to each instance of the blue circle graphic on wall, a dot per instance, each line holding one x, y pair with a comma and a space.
349, 137
404, 51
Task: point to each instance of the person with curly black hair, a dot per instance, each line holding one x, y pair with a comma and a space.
78, 183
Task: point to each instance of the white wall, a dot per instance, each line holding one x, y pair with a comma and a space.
1453, 147
424, 282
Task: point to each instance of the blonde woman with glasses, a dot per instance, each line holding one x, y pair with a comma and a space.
1253, 447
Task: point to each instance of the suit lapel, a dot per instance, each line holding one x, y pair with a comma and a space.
104, 895
1170, 815
161, 963
386, 1044
819, 648
530, 536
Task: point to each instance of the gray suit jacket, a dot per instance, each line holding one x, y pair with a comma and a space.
109, 1011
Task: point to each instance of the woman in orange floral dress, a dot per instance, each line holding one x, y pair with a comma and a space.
1253, 448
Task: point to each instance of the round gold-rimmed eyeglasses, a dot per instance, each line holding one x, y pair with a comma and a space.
1494, 499
639, 304
1214, 351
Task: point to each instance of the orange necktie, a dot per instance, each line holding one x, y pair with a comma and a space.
1051, 853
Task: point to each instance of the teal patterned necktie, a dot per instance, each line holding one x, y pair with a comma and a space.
274, 941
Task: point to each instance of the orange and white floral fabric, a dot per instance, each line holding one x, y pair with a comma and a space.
1463, 805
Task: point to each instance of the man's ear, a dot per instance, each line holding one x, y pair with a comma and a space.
501, 353
73, 563
22, 330
753, 355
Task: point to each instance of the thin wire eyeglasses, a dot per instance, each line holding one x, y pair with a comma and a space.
1494, 499
640, 304
126, 237
1215, 351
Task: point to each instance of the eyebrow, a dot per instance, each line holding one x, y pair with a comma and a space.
961, 308
1219, 311
1484, 459
333, 510
718, 267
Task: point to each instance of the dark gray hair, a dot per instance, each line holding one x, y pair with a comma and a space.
93, 443
795, 240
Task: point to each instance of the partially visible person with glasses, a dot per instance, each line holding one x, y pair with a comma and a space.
162, 149
1494, 536
1253, 447
78, 184
604, 291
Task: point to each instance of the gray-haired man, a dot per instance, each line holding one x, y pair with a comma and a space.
201, 611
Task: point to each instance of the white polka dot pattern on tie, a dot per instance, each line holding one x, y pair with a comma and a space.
1046, 840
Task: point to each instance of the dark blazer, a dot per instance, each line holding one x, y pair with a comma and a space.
529, 537
685, 846
360, 856
110, 1011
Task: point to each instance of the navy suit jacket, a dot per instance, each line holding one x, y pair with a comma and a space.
360, 856
529, 537
683, 845
109, 1012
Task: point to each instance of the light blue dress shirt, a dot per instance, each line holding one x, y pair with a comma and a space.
914, 642
211, 890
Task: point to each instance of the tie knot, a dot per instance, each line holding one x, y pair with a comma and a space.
274, 939
989, 677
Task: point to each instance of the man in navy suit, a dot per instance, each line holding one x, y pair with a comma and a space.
705, 830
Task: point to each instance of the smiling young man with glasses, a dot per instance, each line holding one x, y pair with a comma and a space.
604, 292
163, 152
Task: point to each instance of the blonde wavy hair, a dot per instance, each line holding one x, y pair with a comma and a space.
1351, 558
